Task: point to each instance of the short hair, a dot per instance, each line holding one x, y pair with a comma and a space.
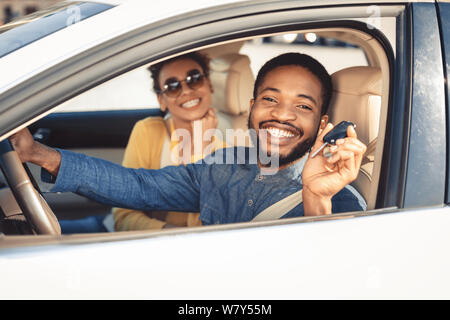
301, 60
198, 57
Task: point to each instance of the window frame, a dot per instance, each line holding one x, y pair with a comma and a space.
94, 67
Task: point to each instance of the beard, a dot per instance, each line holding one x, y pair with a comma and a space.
297, 152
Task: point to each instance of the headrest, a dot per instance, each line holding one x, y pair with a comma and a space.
358, 81
357, 98
232, 80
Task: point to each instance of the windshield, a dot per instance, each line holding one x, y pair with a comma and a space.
24, 31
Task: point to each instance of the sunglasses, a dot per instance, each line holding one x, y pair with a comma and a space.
172, 87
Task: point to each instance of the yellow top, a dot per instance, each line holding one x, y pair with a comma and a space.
144, 150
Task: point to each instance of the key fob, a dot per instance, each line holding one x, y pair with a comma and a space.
338, 132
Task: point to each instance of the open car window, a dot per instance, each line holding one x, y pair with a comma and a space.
92, 122
98, 122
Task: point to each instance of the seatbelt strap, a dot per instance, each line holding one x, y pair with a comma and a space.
280, 208
369, 154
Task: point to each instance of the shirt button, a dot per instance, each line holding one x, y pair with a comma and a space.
259, 178
250, 202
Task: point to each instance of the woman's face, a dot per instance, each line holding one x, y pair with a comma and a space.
189, 103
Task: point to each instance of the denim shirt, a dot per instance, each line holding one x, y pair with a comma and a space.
222, 193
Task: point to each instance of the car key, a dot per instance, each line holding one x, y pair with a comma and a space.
338, 132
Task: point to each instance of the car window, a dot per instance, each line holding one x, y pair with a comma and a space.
126, 99
24, 31
133, 90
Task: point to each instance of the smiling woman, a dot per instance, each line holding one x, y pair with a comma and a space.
184, 92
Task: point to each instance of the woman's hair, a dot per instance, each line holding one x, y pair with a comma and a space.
302, 60
155, 69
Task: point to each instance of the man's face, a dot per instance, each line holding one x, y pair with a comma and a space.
288, 108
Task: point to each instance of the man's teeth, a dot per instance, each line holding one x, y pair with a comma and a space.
280, 133
190, 103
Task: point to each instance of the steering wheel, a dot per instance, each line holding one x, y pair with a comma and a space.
31, 202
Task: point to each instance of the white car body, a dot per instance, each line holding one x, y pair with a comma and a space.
384, 254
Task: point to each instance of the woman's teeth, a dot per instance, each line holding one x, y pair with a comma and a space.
275, 132
191, 103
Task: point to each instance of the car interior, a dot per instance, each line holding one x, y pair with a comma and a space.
360, 95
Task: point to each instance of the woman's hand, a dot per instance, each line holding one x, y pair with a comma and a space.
209, 120
205, 128
324, 177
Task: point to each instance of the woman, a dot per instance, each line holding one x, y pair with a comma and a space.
184, 94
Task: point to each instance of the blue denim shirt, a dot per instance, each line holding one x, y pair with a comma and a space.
222, 193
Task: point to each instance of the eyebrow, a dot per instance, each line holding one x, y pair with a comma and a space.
301, 95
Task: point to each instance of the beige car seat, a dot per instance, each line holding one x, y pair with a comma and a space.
232, 80
357, 98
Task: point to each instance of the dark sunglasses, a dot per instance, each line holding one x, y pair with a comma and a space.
172, 87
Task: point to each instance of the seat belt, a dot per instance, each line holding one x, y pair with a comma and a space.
369, 154
280, 208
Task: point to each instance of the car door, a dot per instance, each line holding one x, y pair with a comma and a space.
392, 251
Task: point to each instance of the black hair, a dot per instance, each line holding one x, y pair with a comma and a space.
155, 69
301, 60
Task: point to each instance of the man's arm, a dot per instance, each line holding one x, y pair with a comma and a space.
171, 188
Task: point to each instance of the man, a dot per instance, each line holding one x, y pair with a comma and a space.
291, 98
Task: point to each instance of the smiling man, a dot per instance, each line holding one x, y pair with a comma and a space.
290, 100
288, 119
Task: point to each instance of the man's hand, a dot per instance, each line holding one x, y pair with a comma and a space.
32, 151
24, 145
324, 177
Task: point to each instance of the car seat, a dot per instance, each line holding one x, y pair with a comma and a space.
232, 80
357, 98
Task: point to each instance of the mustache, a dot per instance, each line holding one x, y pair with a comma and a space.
299, 130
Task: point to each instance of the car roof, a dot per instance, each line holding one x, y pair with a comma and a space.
127, 15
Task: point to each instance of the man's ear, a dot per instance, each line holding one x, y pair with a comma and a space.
323, 121
161, 102
252, 103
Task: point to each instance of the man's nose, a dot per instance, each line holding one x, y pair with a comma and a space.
284, 112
